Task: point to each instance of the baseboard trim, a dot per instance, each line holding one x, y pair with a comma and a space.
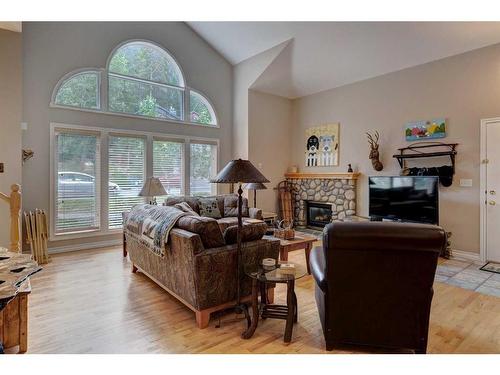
466, 255
84, 246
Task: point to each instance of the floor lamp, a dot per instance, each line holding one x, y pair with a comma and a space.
255, 186
239, 172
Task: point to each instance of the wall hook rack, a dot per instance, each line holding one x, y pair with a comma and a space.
414, 151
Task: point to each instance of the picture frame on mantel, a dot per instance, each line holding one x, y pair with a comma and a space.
322, 146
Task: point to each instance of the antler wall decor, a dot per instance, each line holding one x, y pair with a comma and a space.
374, 154
27, 154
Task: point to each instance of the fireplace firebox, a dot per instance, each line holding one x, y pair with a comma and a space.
318, 214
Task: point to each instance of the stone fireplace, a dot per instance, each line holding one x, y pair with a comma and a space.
314, 193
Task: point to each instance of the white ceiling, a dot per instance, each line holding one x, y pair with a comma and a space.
324, 55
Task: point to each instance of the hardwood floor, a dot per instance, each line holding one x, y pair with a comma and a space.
90, 302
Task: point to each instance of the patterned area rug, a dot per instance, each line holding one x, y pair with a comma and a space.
491, 267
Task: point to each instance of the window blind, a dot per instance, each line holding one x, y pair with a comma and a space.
77, 185
203, 166
126, 169
168, 166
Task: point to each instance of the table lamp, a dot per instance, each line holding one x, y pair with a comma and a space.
238, 172
255, 186
152, 188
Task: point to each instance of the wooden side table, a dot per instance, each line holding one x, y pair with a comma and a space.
289, 312
14, 320
269, 217
298, 243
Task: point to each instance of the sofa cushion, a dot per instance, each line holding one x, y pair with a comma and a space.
183, 206
209, 207
206, 227
231, 206
227, 222
193, 202
249, 232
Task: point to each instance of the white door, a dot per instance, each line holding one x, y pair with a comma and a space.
492, 190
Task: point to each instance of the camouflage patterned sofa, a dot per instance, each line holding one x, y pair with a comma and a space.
199, 265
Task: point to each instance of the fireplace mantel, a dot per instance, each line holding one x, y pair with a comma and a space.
324, 176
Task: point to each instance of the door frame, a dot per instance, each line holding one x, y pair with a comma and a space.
482, 187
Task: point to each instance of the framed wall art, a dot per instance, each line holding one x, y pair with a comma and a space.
322, 146
425, 130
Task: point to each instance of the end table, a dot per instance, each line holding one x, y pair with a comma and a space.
260, 278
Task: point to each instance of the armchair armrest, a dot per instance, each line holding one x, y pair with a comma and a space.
255, 213
317, 265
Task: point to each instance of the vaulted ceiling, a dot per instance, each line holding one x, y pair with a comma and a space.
325, 55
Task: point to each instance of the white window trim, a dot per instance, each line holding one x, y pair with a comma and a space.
72, 74
145, 41
103, 199
211, 109
53, 185
103, 90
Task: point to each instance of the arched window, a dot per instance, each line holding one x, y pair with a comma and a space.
80, 89
143, 79
200, 110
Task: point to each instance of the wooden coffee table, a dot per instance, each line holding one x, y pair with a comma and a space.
298, 243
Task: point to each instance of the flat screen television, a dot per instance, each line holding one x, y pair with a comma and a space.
404, 198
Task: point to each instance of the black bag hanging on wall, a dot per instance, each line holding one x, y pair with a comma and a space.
445, 173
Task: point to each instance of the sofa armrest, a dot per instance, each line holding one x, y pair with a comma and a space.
186, 241
215, 270
317, 265
255, 213
174, 270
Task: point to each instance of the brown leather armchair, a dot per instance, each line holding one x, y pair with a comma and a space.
374, 283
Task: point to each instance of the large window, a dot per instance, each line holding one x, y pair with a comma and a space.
200, 109
203, 168
77, 181
94, 185
80, 90
168, 165
144, 80
126, 166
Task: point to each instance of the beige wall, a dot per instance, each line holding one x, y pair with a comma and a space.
463, 89
269, 147
245, 74
52, 49
10, 120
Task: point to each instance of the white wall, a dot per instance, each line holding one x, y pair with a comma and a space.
52, 49
10, 121
463, 89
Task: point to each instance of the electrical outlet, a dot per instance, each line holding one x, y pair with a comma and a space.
466, 182
1, 167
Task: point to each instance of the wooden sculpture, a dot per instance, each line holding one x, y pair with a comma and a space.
37, 235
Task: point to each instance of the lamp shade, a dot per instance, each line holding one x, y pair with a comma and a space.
152, 188
255, 186
239, 171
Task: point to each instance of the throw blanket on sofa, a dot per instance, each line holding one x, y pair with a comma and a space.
152, 225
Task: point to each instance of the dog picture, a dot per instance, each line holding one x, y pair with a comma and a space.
322, 146
312, 151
